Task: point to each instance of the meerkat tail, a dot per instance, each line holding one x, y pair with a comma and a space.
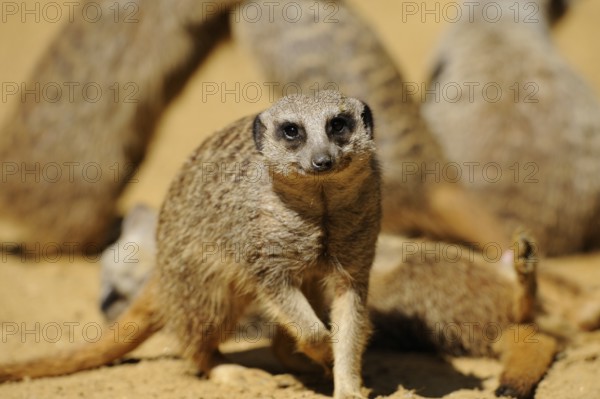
527, 355
142, 314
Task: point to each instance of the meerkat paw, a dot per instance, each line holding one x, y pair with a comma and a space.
285, 350
321, 353
526, 259
234, 374
525, 266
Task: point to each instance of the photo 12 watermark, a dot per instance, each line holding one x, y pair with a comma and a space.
66, 172
454, 11
69, 11
70, 92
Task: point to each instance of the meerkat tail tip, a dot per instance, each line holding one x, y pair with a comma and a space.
526, 362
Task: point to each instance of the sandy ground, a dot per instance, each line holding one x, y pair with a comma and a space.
48, 303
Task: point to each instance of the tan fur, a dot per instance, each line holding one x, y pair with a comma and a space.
281, 238
65, 162
314, 53
545, 137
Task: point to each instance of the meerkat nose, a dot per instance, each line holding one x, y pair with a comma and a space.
322, 163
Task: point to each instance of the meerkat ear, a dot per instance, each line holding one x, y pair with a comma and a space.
367, 117
258, 132
557, 9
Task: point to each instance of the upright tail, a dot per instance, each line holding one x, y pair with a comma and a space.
142, 315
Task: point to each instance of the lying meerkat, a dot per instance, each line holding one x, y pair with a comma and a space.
485, 311
313, 51
294, 210
526, 115
447, 298
73, 144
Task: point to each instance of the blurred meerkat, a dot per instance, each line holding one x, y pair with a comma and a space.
127, 263
523, 113
311, 218
335, 48
73, 144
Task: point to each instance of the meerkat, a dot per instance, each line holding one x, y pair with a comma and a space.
524, 117
335, 48
447, 298
268, 209
127, 263
87, 114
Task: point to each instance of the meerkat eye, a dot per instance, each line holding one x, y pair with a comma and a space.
291, 132
338, 125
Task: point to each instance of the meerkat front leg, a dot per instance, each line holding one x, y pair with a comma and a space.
296, 316
350, 322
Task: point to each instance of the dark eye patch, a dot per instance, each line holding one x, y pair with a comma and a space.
340, 128
338, 125
291, 133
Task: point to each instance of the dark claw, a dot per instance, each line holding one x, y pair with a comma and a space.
507, 390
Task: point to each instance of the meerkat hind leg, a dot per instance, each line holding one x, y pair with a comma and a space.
207, 357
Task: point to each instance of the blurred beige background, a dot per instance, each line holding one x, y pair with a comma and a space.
192, 117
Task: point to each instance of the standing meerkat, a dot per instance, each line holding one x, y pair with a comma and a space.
335, 48
525, 113
288, 220
485, 311
87, 114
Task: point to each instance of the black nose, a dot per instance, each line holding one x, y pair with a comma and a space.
322, 163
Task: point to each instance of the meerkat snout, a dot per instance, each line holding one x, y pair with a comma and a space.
322, 162
306, 141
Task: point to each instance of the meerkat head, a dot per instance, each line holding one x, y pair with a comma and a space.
323, 133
